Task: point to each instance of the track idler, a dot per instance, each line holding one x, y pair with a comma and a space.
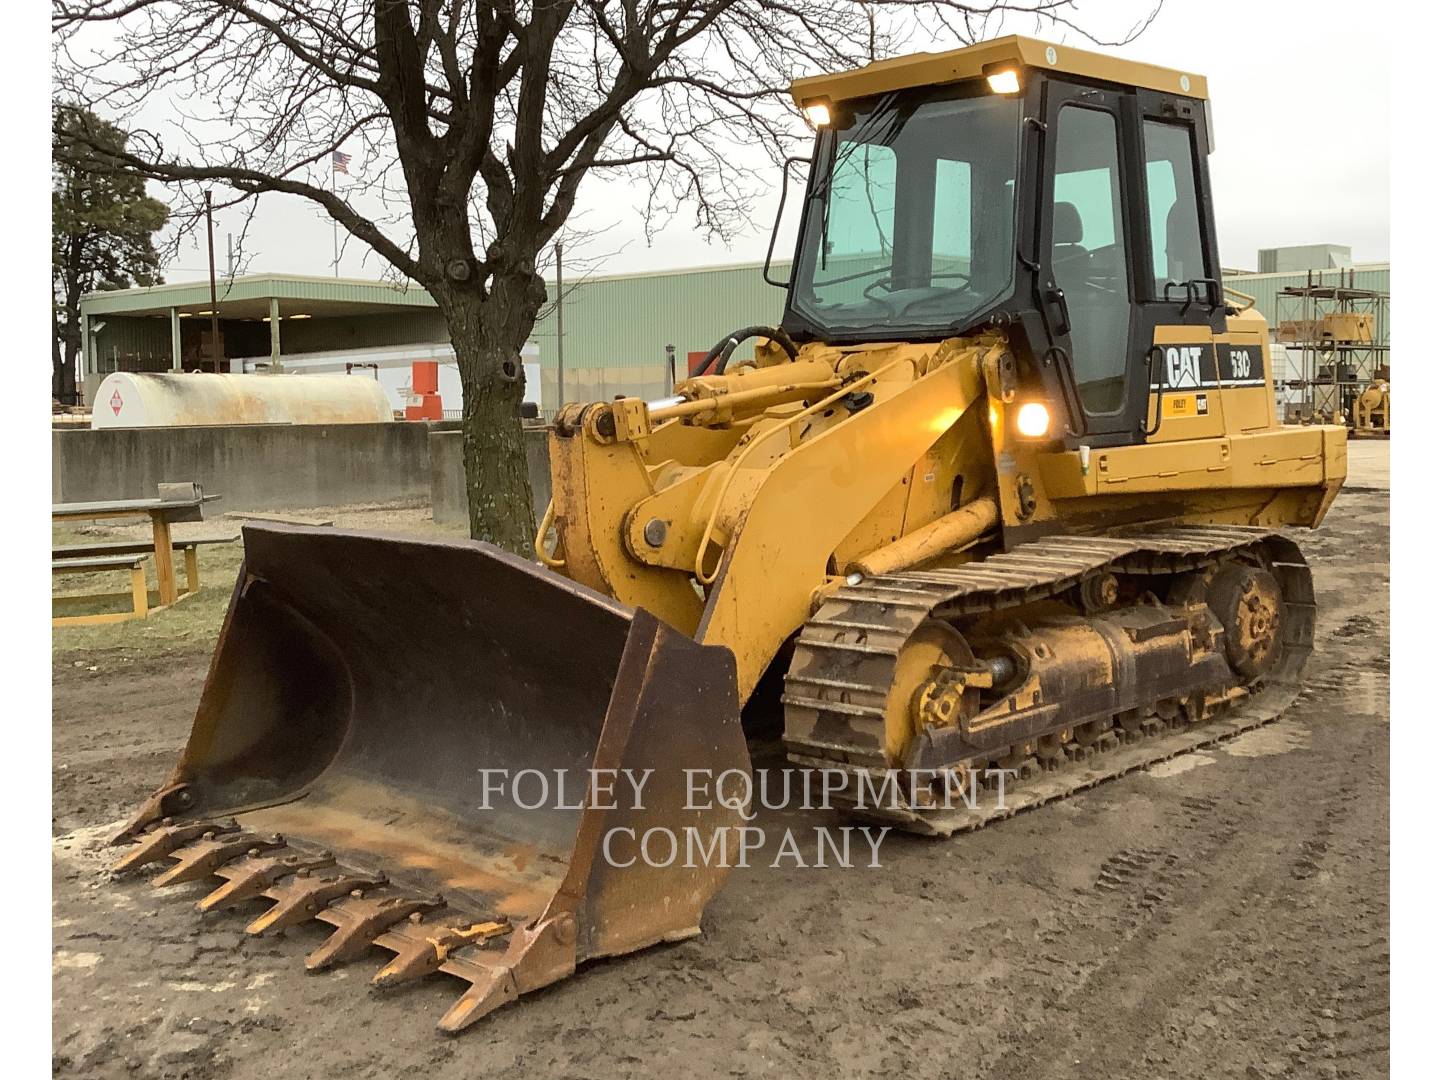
369, 697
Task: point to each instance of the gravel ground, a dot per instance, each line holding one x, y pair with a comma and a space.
1223, 914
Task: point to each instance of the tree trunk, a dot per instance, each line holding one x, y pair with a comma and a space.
68, 377
57, 359
67, 340
63, 356
488, 335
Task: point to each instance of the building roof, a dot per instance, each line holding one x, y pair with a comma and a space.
248, 297
931, 69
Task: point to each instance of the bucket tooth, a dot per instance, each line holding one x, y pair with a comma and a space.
200, 859
535, 956
305, 895
422, 947
489, 989
250, 877
154, 845
359, 921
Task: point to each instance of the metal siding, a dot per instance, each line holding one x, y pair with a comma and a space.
1266, 287
143, 339
628, 321
622, 324
616, 328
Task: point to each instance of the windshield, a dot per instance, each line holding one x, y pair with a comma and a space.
911, 223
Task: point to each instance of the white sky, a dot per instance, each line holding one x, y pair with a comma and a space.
1300, 98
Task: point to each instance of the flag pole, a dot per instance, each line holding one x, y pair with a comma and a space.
334, 225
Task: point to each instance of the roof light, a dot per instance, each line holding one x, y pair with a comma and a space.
818, 114
1033, 420
1004, 81
302, 315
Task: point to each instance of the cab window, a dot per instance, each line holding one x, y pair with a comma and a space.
1176, 251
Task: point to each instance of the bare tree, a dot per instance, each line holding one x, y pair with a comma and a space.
477, 124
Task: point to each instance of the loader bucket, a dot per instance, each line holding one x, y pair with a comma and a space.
371, 743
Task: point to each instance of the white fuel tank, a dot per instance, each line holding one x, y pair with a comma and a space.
151, 399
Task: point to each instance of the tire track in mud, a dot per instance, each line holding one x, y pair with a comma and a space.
1223, 921
1174, 944
1168, 951
117, 732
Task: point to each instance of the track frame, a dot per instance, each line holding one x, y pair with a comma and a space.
845, 657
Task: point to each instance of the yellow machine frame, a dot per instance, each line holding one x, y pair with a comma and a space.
732, 515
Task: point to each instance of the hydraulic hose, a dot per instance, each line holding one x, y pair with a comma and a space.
725, 347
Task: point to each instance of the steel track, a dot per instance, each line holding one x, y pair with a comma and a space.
845, 659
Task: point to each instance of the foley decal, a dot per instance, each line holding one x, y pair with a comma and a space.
1178, 405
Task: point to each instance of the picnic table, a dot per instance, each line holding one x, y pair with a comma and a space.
176, 502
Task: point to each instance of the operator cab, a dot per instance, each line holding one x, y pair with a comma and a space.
1059, 193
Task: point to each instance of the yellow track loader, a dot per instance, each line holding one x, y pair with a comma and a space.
998, 492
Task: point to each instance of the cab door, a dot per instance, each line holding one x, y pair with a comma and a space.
1087, 283
1130, 291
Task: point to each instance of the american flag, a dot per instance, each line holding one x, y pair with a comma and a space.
340, 162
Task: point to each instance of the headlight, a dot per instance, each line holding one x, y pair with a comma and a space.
1033, 420
1006, 81
1003, 76
818, 113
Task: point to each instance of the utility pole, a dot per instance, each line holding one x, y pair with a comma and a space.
559, 325
215, 351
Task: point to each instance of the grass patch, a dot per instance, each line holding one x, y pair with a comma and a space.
188, 626
191, 625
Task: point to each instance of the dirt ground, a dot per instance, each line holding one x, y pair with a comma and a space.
1224, 914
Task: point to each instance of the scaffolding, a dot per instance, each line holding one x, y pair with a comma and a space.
1333, 345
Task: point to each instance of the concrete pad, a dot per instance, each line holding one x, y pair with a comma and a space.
1369, 464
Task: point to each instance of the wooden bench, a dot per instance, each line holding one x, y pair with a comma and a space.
137, 547
139, 594
175, 502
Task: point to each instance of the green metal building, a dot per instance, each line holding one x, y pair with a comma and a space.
616, 326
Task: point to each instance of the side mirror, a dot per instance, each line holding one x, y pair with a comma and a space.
780, 213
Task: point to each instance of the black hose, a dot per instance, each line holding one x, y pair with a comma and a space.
726, 346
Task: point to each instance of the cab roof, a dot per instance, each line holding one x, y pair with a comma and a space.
933, 69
